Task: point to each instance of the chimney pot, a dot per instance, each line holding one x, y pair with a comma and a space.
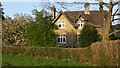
87, 7
53, 12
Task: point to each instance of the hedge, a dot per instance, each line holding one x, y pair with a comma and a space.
95, 54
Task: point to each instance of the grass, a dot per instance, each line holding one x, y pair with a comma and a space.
0, 60
27, 60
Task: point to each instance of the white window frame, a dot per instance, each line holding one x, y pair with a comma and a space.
80, 24
62, 23
77, 38
61, 38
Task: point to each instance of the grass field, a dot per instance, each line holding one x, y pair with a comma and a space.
0, 60
27, 60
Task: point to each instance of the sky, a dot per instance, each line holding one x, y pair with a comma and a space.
11, 7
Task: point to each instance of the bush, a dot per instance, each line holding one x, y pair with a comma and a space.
95, 54
13, 30
88, 36
41, 31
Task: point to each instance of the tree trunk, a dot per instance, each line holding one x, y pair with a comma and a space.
107, 24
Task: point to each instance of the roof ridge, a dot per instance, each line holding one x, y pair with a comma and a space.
83, 11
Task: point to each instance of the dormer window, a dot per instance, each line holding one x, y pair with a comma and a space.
61, 25
80, 24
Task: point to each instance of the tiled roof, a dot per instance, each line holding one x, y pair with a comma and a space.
95, 17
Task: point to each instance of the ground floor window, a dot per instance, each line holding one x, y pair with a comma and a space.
61, 39
77, 39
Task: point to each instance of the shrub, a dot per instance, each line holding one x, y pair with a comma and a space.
88, 36
95, 54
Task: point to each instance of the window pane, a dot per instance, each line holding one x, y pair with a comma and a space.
78, 25
63, 25
59, 25
63, 39
81, 24
58, 39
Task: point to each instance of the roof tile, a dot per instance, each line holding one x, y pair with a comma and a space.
95, 17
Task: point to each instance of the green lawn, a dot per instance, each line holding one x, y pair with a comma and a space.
0, 60
27, 60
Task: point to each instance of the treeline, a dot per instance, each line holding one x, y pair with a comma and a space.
25, 30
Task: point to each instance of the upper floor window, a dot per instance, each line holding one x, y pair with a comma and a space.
61, 25
80, 24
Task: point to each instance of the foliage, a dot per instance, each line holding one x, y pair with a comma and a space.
90, 55
13, 30
115, 36
88, 35
1, 12
40, 32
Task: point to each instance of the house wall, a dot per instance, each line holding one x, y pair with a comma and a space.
68, 25
69, 31
78, 30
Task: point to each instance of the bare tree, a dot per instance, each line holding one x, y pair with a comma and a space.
108, 17
108, 14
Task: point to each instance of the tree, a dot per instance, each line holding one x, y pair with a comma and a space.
88, 35
13, 30
41, 31
107, 13
1, 12
115, 35
108, 16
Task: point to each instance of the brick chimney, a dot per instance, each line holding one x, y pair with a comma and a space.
87, 8
53, 12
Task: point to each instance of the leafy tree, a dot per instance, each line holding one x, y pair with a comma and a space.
88, 35
13, 30
41, 31
1, 12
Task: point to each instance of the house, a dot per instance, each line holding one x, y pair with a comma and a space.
70, 24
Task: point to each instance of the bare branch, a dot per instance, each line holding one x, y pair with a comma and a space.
114, 32
106, 4
62, 6
116, 3
101, 7
115, 19
115, 12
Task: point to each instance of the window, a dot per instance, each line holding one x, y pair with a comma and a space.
61, 25
80, 24
61, 39
77, 38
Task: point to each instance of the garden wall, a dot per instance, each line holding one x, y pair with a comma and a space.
97, 53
